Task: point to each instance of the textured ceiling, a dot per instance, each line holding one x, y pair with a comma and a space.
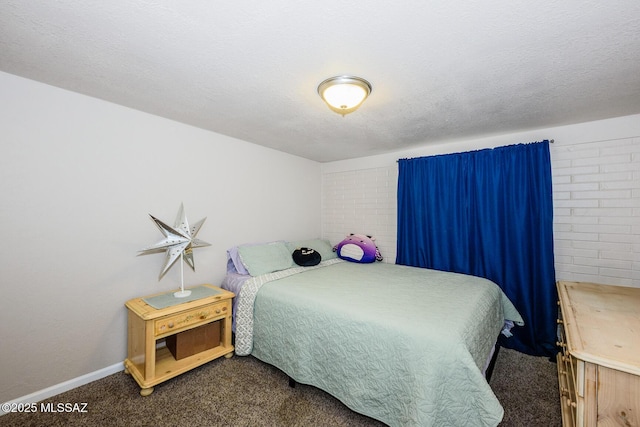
440, 70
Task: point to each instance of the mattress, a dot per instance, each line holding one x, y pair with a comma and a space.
403, 345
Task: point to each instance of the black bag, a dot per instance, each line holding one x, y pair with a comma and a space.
306, 257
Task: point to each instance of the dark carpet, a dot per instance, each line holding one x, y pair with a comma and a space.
242, 391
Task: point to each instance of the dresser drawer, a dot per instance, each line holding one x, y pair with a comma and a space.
193, 317
567, 377
566, 395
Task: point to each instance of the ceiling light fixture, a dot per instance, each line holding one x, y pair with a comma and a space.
344, 94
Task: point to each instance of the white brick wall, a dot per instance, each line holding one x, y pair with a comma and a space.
361, 202
596, 209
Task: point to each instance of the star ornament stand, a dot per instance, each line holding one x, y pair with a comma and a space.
179, 242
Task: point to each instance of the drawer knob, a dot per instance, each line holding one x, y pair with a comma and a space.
171, 325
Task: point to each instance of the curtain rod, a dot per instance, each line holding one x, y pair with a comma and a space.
551, 141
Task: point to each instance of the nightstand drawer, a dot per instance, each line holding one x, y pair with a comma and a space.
190, 318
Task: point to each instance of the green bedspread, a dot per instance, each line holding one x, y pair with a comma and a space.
400, 344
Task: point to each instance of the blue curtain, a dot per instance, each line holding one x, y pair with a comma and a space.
488, 213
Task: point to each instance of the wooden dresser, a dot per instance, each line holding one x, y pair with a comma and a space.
599, 361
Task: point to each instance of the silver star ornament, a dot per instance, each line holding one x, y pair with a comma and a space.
179, 241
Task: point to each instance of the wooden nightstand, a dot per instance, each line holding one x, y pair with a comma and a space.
150, 361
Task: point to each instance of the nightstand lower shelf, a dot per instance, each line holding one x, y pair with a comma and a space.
168, 367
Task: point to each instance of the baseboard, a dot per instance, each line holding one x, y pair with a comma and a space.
62, 387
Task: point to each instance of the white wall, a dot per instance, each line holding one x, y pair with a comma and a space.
78, 178
596, 179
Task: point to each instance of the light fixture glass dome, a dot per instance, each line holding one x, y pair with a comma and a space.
344, 94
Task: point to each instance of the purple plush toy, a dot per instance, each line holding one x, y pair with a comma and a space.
358, 248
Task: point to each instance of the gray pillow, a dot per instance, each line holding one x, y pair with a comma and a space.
265, 258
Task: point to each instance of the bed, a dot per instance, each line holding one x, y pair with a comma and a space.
403, 345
